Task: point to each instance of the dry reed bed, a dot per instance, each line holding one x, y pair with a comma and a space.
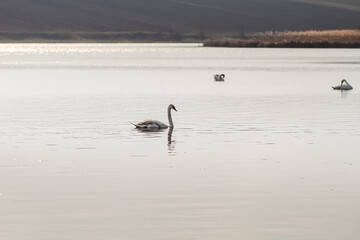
289, 39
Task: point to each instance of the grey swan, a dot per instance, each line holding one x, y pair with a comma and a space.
219, 77
155, 124
343, 86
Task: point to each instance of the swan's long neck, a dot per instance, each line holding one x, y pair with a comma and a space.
171, 124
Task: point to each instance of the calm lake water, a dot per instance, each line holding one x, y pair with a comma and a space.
271, 153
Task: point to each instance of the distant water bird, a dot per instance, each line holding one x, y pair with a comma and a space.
343, 86
155, 124
219, 77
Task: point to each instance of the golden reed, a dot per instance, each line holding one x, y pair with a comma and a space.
292, 39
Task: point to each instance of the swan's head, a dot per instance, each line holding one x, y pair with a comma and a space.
222, 75
343, 81
171, 106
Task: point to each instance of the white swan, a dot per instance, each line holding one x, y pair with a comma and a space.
343, 86
155, 124
220, 77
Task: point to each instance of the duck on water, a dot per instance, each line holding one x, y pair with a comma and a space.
155, 124
343, 86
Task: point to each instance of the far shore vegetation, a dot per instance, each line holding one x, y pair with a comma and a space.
293, 39
270, 39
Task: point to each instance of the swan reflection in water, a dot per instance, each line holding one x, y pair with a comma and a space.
171, 143
343, 86
156, 133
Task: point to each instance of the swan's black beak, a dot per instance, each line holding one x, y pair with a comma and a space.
175, 109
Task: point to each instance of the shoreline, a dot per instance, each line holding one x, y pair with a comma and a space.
100, 37
285, 39
289, 44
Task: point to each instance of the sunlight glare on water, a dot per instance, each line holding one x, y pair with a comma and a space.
270, 153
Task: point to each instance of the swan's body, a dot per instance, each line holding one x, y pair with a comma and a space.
343, 86
155, 124
219, 77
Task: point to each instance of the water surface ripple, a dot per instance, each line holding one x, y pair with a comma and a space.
270, 153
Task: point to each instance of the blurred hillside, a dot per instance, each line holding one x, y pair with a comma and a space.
199, 17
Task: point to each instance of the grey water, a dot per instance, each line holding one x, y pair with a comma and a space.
270, 153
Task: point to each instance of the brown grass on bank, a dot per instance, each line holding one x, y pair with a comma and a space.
306, 39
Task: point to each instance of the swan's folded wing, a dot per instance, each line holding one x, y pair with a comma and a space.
150, 124
143, 124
